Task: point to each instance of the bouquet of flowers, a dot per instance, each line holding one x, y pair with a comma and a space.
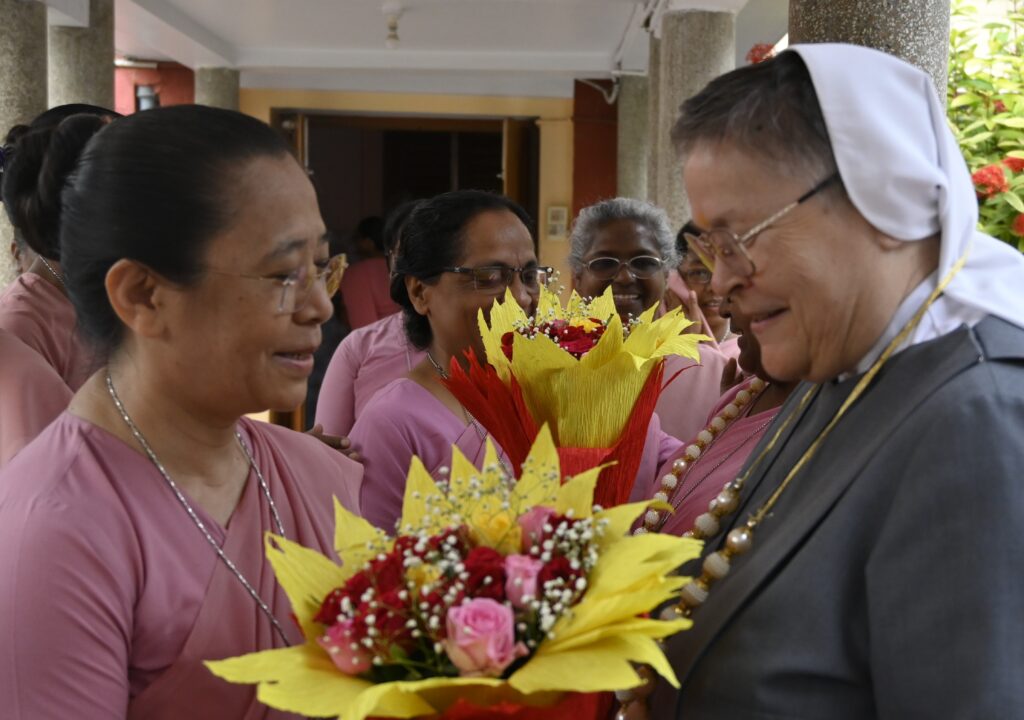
495, 594
576, 368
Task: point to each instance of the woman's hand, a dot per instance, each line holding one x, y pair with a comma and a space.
341, 444
732, 376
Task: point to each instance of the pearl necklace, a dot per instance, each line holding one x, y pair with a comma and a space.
137, 434
672, 482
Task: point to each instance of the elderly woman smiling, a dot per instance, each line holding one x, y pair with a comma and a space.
132, 528
865, 563
627, 244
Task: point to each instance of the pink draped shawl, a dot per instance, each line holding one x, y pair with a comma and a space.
111, 598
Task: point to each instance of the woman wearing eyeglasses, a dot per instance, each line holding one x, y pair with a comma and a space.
627, 244
459, 252
132, 529
865, 562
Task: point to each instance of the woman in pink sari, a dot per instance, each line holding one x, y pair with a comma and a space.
746, 410
459, 251
368, 358
35, 307
131, 529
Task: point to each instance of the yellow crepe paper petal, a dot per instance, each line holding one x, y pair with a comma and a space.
604, 664
306, 577
577, 494
424, 506
540, 479
356, 540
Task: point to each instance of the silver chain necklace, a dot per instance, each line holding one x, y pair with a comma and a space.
470, 419
195, 517
48, 266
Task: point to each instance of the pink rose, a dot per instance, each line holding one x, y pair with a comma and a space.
338, 643
521, 578
532, 523
481, 638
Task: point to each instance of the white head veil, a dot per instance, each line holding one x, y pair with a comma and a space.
904, 173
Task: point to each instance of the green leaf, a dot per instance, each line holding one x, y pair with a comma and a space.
965, 99
1013, 122
1015, 202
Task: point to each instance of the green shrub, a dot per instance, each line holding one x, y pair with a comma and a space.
986, 112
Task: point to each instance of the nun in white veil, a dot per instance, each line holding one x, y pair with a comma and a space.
866, 563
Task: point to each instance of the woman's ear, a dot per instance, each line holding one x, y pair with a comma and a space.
419, 294
138, 297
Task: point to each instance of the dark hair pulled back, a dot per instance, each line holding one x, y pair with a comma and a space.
153, 187
432, 239
37, 159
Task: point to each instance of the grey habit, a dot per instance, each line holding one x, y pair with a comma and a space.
888, 582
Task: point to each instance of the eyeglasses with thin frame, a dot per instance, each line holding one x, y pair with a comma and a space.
725, 245
697, 276
297, 286
640, 267
495, 278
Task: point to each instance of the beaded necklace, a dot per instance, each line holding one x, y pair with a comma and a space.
673, 482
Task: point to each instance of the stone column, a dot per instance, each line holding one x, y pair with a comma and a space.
653, 115
634, 148
696, 46
915, 30
81, 60
217, 87
22, 86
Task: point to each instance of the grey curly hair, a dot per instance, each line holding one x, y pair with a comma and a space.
594, 217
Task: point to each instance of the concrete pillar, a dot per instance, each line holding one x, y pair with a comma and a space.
22, 86
217, 87
696, 46
915, 30
81, 60
654, 157
633, 145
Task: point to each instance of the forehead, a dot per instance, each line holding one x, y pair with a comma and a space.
497, 235
271, 205
626, 238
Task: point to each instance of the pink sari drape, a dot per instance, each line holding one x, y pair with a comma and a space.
110, 598
720, 463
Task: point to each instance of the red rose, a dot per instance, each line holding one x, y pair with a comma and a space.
1015, 164
760, 52
387, 573
1018, 225
558, 568
486, 569
390, 619
353, 589
990, 180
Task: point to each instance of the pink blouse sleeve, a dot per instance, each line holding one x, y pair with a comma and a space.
386, 453
336, 405
32, 394
66, 605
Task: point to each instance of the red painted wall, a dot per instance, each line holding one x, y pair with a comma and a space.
175, 83
595, 145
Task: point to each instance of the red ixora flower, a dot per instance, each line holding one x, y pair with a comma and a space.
990, 180
1018, 225
760, 52
1014, 163
999, 106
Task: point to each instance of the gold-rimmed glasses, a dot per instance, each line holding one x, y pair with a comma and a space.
725, 245
296, 287
495, 278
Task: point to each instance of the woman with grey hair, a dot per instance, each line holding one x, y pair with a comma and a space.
865, 562
627, 244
